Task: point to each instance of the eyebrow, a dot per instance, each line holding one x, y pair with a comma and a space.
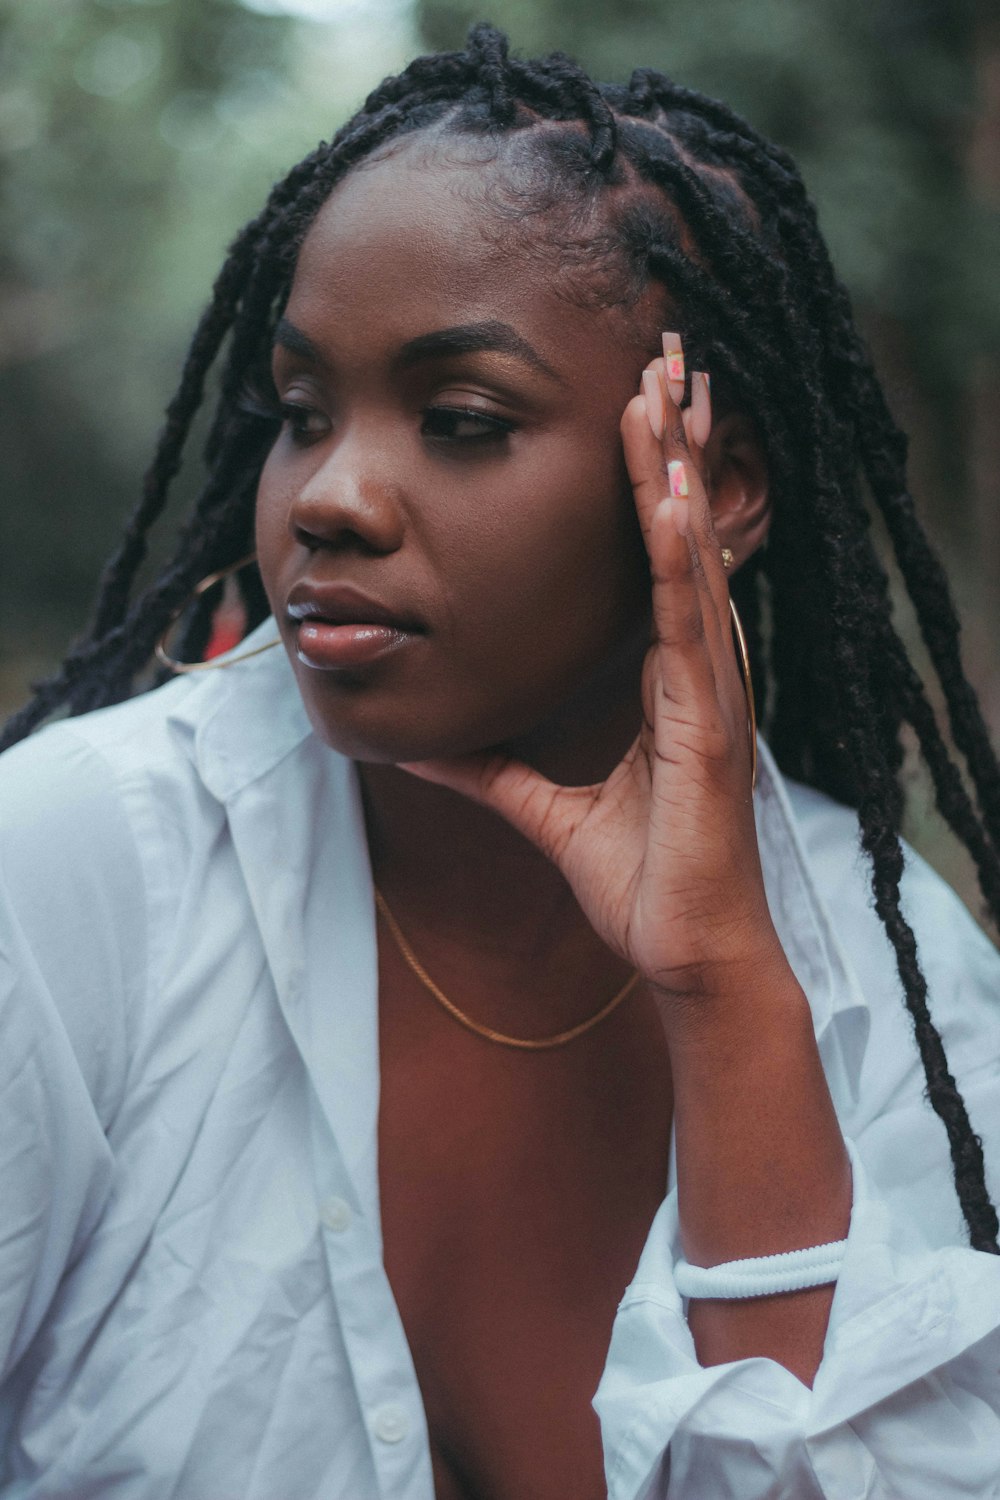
487, 337
474, 338
295, 341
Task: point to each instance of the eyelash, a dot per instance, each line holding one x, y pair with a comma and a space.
491, 429
256, 401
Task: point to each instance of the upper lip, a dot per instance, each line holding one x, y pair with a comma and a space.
344, 604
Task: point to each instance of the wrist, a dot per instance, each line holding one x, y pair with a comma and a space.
754, 992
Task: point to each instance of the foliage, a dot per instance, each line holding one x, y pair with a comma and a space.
136, 136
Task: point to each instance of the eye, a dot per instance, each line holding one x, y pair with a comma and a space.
464, 424
258, 398
304, 423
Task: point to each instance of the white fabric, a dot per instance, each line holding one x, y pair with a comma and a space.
762, 1275
192, 1299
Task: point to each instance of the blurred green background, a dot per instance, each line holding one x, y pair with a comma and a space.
137, 135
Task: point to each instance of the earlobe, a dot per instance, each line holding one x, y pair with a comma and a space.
739, 486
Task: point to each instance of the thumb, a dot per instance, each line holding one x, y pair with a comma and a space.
531, 803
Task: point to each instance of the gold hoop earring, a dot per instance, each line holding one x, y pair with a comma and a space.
207, 666
743, 656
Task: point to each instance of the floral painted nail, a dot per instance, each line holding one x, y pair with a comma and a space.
677, 478
673, 356
673, 363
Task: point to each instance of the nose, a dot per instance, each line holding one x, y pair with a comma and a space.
351, 500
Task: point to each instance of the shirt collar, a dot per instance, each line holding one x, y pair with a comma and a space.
294, 813
244, 718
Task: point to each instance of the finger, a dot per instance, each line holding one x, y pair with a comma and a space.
680, 609
685, 433
681, 488
655, 437
681, 437
696, 422
642, 439
653, 432
546, 814
715, 613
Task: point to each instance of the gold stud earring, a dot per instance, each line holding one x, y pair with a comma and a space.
727, 559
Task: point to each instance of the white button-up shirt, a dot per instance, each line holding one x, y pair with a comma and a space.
193, 1304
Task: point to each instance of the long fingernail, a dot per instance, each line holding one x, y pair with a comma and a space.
653, 394
673, 361
678, 480
701, 408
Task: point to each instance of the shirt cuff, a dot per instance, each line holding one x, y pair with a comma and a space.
750, 1427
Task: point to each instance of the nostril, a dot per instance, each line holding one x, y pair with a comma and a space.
344, 539
346, 513
305, 538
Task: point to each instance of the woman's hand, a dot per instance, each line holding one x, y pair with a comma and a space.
662, 856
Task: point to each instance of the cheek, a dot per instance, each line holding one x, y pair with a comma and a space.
550, 584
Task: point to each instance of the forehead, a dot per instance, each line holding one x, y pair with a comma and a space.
402, 226
418, 239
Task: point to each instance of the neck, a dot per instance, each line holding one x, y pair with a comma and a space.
462, 882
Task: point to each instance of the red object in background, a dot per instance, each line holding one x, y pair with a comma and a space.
228, 625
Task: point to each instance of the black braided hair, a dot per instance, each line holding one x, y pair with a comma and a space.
720, 219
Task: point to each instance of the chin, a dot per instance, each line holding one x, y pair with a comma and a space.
370, 743
383, 728
379, 734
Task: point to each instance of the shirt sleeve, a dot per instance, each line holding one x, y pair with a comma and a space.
906, 1401
72, 929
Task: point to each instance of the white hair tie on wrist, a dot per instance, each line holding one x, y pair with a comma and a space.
763, 1275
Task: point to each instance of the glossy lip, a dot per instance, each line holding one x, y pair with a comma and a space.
339, 628
343, 604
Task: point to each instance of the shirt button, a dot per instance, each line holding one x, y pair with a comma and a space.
391, 1424
336, 1214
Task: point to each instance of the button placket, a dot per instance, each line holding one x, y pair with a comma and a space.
336, 1215
390, 1423
390, 1404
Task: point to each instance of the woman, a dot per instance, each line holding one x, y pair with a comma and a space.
272, 1239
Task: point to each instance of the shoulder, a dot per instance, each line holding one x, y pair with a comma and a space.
75, 801
146, 771
113, 840
71, 769
75, 823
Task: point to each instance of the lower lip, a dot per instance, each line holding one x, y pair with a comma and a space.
333, 647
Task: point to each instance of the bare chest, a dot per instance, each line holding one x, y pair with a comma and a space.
517, 1190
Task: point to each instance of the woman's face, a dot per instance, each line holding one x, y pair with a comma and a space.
449, 474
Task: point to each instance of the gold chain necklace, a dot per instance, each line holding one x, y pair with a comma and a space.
527, 1044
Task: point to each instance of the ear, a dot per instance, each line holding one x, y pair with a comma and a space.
738, 487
